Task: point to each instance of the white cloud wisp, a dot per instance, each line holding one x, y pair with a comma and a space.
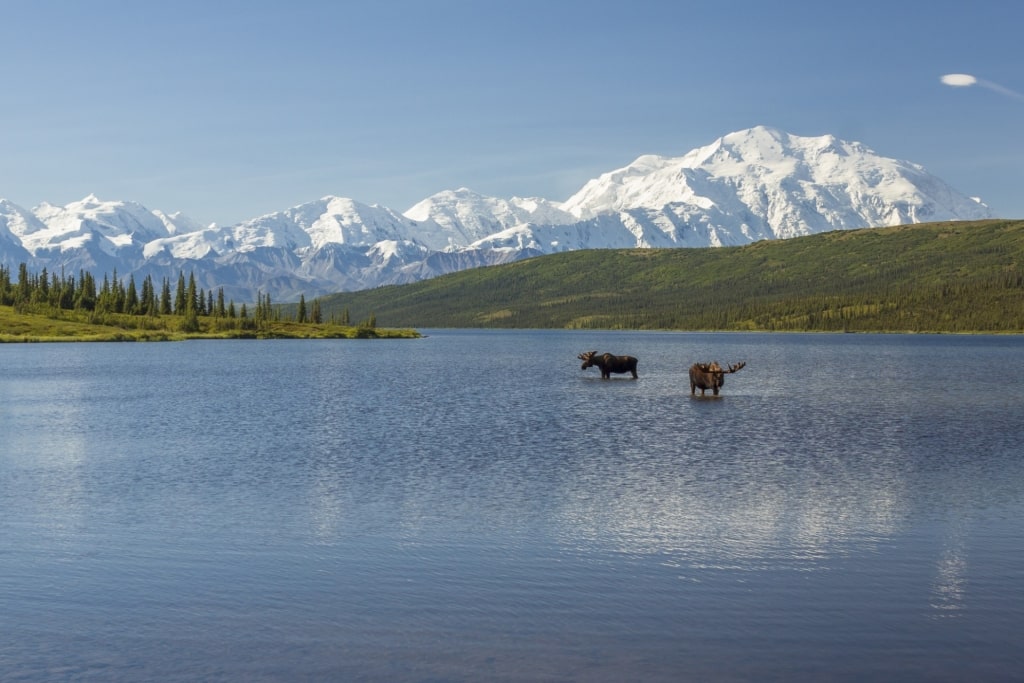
967, 80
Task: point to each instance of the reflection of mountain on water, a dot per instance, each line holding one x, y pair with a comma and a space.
723, 526
792, 487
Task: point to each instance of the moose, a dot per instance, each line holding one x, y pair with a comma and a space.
608, 363
711, 375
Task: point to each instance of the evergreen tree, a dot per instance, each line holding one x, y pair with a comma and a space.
180, 303
149, 304
131, 297
316, 316
85, 298
24, 290
44, 286
191, 296
118, 293
55, 288
5, 286
300, 315
105, 300
165, 298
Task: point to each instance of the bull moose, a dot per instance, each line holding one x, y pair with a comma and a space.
711, 375
608, 363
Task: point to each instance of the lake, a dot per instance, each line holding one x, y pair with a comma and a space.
471, 506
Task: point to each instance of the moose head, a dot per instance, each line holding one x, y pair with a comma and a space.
711, 375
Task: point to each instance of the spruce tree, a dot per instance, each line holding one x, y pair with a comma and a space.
44, 286
24, 290
149, 304
85, 298
5, 286
165, 298
105, 301
131, 297
179, 298
118, 293
316, 316
191, 296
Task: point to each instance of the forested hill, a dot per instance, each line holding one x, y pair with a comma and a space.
938, 277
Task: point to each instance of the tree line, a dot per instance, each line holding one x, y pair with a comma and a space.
43, 291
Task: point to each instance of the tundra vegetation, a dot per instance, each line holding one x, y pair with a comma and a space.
60, 307
938, 277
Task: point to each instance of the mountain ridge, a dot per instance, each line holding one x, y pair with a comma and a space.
750, 185
930, 277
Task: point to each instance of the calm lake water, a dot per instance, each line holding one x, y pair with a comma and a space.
472, 506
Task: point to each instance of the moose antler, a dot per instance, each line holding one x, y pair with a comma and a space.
586, 355
738, 366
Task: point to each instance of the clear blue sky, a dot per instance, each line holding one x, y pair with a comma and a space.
229, 109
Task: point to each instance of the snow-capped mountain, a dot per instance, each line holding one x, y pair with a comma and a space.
14, 222
467, 217
749, 185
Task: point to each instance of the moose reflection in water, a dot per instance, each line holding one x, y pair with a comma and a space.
608, 363
711, 375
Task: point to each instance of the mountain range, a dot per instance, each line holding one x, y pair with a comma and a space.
746, 186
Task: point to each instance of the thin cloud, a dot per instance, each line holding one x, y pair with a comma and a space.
967, 80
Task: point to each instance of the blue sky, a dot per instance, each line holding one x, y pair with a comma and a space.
229, 109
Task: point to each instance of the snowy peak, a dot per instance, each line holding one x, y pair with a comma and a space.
18, 222
329, 220
797, 184
178, 223
113, 225
627, 187
14, 223
465, 216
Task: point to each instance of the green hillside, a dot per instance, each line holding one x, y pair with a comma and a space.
940, 277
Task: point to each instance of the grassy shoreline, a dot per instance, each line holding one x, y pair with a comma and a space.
71, 327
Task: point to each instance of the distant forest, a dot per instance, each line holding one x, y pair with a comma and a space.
940, 277
44, 291
79, 305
